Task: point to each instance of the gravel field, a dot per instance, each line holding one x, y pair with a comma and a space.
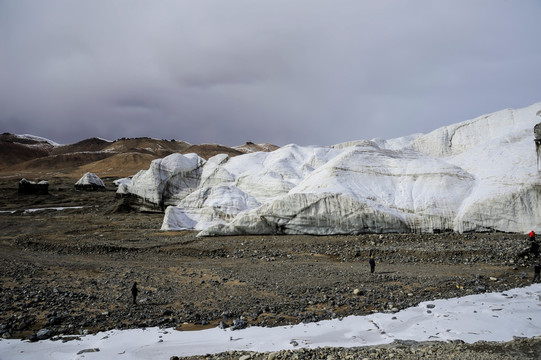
69, 272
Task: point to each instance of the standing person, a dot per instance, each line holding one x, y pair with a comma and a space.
134, 291
534, 246
537, 273
372, 263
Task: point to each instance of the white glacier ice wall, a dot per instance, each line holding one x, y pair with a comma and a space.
499, 150
171, 176
363, 189
208, 206
476, 175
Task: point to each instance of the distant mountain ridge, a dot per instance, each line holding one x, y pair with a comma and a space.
36, 157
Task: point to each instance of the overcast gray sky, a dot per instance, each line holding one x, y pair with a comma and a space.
280, 71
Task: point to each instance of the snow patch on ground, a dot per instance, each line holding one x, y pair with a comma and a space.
492, 317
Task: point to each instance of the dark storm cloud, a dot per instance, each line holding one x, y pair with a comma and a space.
305, 72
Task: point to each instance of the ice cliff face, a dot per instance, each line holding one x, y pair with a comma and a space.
174, 175
476, 175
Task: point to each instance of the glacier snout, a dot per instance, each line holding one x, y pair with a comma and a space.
478, 175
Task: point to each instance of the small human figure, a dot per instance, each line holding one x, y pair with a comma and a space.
134, 291
537, 273
534, 246
372, 263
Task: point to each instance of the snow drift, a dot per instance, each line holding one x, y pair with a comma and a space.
477, 175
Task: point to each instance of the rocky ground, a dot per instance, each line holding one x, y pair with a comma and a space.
399, 350
69, 272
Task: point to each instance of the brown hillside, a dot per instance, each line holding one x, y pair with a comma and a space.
16, 149
118, 165
21, 139
35, 159
160, 148
251, 147
12, 153
92, 144
206, 151
53, 165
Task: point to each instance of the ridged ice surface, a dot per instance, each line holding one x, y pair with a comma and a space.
476, 175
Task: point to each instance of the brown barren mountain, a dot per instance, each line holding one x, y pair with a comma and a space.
16, 149
35, 158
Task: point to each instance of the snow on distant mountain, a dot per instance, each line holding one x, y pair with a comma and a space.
477, 175
37, 139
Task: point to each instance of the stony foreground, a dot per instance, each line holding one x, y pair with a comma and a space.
70, 271
517, 349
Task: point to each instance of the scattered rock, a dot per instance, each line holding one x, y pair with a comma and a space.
239, 324
223, 325
43, 334
294, 343
88, 351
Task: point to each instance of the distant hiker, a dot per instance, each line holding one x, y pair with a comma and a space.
372, 263
537, 273
534, 246
134, 291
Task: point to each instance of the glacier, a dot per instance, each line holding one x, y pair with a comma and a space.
476, 175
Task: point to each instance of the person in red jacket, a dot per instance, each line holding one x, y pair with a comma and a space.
534, 246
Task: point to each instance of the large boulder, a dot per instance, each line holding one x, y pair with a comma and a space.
31, 187
90, 182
